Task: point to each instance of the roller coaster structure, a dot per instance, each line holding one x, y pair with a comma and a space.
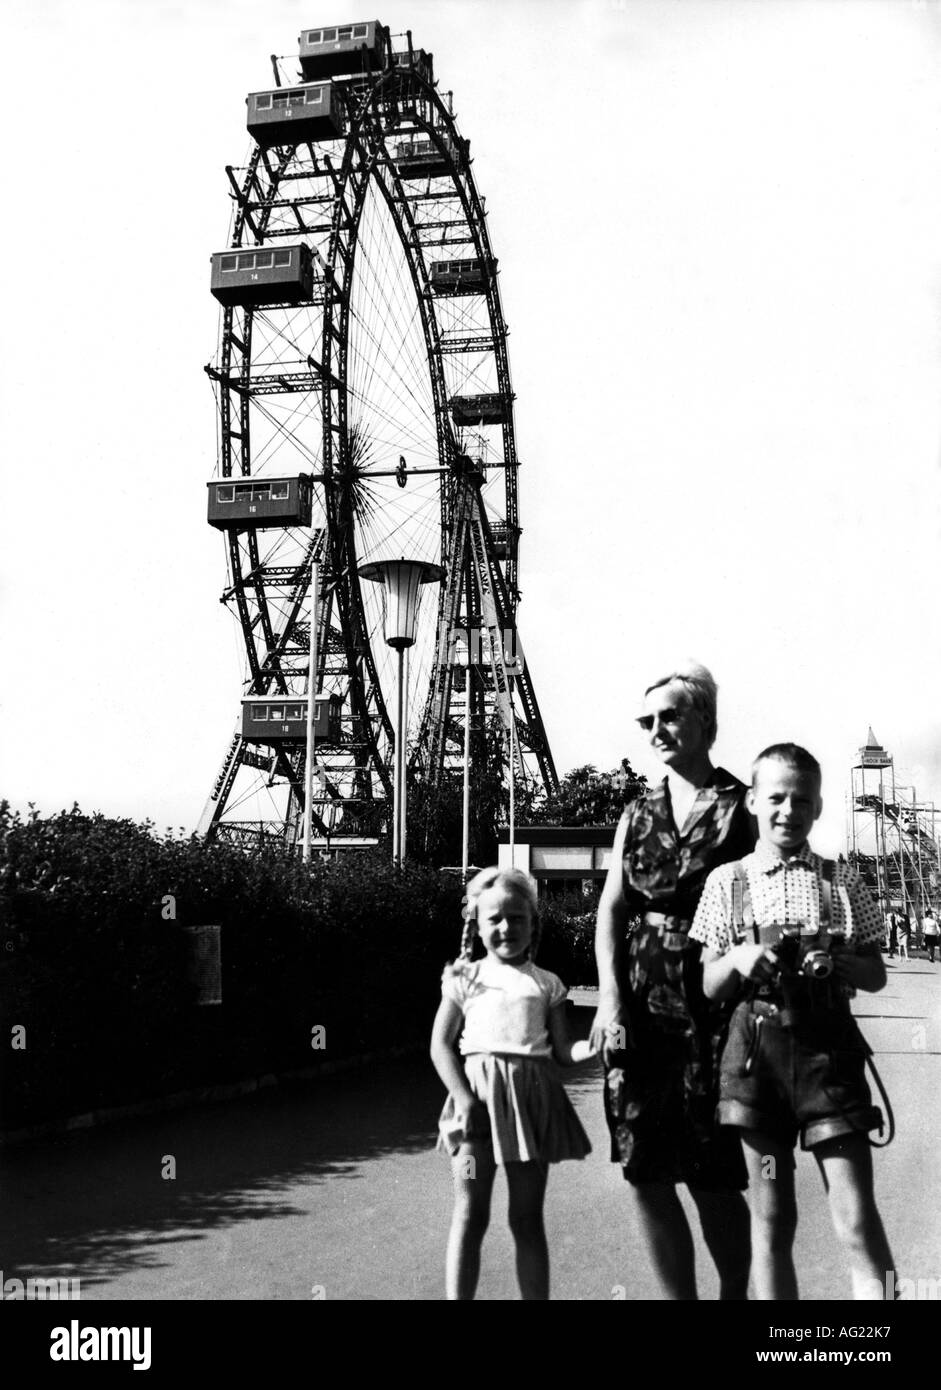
893, 837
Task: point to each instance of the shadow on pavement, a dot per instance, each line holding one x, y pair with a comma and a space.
96, 1203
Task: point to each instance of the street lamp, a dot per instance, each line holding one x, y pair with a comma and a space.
311, 708
461, 658
401, 582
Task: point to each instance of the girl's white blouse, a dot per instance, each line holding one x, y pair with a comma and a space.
505, 1007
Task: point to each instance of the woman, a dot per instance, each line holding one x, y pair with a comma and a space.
658, 1035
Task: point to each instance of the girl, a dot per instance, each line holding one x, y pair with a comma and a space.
506, 1104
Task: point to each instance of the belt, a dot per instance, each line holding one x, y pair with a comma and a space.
787, 1017
764, 1008
673, 931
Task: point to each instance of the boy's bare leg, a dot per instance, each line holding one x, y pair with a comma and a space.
527, 1184
846, 1167
770, 1164
726, 1230
473, 1171
668, 1237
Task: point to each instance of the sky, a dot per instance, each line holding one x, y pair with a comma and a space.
718, 225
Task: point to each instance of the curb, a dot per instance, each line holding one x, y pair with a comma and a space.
201, 1095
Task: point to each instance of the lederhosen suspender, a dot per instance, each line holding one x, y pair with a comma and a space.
768, 999
743, 917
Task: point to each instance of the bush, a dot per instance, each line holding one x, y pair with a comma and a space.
95, 967
567, 945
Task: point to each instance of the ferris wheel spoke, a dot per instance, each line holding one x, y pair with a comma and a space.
397, 377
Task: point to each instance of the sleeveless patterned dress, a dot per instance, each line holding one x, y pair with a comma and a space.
661, 1094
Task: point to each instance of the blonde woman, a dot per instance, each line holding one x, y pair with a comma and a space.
658, 1035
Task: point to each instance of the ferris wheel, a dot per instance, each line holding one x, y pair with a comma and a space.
365, 414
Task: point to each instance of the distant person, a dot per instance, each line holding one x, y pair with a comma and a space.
930, 931
658, 1035
905, 932
506, 1104
892, 928
794, 1063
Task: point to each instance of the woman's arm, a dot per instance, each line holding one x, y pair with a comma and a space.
609, 933
566, 1050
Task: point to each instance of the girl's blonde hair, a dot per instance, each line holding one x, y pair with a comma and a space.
516, 879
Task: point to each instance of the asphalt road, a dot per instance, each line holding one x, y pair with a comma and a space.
332, 1189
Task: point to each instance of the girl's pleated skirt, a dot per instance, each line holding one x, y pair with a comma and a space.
531, 1117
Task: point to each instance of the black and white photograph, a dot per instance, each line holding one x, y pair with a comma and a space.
470, 814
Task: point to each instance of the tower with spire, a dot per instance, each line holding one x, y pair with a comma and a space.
893, 838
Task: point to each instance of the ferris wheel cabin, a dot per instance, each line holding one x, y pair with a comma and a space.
505, 540
415, 60
263, 275
283, 718
260, 502
479, 410
468, 276
345, 48
290, 115
417, 158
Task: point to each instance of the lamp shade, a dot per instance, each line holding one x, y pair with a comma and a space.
459, 652
401, 582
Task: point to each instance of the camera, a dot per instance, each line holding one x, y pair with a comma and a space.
804, 955
817, 965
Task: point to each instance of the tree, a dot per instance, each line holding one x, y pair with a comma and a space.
589, 797
436, 814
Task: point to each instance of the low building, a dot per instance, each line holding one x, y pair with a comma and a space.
561, 858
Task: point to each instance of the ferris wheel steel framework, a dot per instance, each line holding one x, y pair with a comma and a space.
397, 108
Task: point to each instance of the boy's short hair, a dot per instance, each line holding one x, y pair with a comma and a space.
792, 755
700, 686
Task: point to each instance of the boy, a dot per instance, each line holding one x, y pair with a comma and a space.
794, 1060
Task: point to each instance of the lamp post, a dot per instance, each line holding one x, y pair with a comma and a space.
401, 582
311, 708
461, 660
511, 734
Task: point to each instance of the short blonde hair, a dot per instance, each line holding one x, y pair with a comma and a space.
700, 685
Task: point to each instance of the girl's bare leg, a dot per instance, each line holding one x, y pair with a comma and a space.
473, 1171
770, 1164
527, 1184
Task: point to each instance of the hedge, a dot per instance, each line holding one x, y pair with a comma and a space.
94, 964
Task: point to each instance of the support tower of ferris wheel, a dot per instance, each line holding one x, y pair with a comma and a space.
365, 413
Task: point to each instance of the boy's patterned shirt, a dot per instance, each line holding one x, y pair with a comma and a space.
786, 890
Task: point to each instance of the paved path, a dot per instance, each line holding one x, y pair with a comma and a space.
333, 1186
